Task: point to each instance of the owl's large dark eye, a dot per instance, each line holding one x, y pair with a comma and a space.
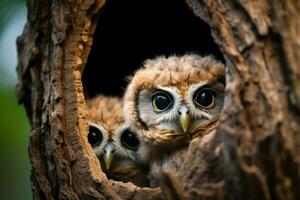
161, 101
130, 140
95, 136
205, 98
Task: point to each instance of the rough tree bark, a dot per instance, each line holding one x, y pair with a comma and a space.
254, 154
52, 52
259, 133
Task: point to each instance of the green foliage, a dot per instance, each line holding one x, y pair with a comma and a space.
5, 6
14, 132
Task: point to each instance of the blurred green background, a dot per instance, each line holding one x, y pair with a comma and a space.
14, 126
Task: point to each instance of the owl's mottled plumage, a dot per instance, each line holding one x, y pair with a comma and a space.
170, 101
119, 151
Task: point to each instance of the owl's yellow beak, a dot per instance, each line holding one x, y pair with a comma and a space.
184, 121
108, 155
107, 159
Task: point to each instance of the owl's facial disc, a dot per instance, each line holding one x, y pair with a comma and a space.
114, 155
163, 100
170, 109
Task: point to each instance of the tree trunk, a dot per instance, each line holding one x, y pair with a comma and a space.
254, 154
259, 131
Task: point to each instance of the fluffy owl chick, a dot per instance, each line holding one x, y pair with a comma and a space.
119, 150
170, 101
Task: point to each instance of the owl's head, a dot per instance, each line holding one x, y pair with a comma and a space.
119, 149
171, 100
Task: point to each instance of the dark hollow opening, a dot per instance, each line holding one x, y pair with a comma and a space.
130, 31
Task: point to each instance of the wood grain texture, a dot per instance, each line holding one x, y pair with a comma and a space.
259, 128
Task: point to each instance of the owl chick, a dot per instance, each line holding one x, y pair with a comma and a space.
119, 150
170, 101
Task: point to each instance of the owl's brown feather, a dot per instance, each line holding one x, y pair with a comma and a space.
108, 111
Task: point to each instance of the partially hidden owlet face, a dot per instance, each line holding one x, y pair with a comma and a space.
118, 149
172, 100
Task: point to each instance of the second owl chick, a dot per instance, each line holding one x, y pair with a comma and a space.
120, 151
